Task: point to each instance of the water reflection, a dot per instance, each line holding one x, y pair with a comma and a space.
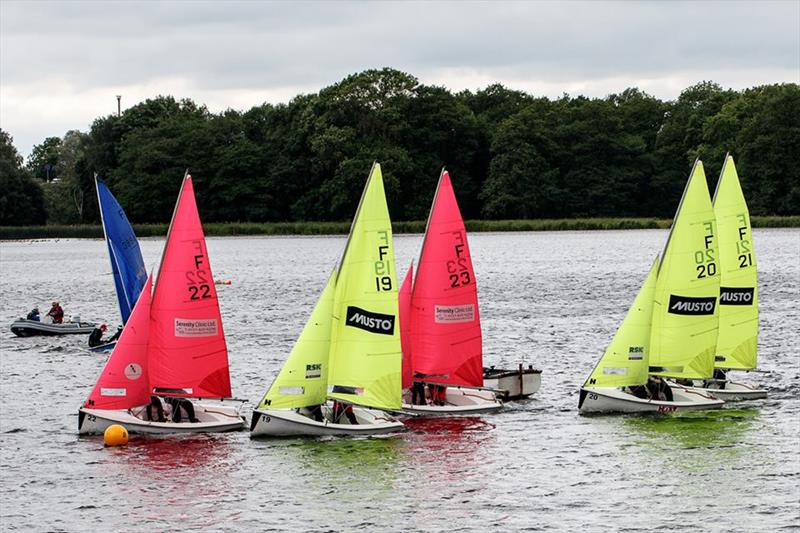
724, 428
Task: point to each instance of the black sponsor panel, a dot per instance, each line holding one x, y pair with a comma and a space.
687, 305
369, 321
736, 295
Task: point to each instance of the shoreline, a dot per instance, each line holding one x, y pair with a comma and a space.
230, 229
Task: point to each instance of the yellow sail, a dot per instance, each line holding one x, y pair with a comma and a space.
365, 355
625, 361
737, 342
683, 339
303, 380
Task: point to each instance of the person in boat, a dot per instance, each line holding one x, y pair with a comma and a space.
441, 395
34, 314
718, 380
340, 409
180, 406
155, 410
96, 336
56, 313
658, 389
316, 413
418, 393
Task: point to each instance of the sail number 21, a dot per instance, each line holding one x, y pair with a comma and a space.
743, 246
383, 269
706, 265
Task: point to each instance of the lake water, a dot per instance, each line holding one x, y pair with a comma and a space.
551, 299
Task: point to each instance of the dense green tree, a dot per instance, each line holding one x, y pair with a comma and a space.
43, 161
21, 201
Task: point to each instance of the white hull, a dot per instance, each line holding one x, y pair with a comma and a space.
28, 328
102, 348
514, 384
460, 401
215, 417
615, 400
733, 391
295, 423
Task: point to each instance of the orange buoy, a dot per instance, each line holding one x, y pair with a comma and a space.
115, 435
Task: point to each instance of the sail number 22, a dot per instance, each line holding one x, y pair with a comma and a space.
706, 265
383, 269
198, 283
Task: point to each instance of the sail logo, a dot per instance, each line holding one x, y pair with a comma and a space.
687, 305
368, 321
454, 314
202, 327
736, 295
635, 353
313, 370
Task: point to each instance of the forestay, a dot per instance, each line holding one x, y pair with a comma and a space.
187, 352
302, 381
124, 381
445, 325
685, 314
625, 362
737, 341
365, 356
127, 264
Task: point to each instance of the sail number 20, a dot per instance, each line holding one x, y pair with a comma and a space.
383, 268
706, 265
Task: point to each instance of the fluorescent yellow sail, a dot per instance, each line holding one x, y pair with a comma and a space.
738, 299
303, 379
685, 315
365, 354
626, 359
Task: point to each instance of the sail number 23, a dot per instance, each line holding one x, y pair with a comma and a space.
383, 268
458, 269
706, 265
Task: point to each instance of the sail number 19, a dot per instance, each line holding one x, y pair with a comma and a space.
383, 268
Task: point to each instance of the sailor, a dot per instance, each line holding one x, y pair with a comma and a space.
658, 389
57, 313
316, 413
155, 403
340, 409
441, 394
418, 393
34, 314
96, 336
179, 406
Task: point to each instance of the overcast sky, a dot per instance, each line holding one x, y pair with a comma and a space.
62, 63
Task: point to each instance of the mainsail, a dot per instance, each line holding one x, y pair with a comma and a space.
404, 303
365, 355
127, 264
685, 314
187, 351
445, 324
303, 380
625, 361
124, 381
737, 342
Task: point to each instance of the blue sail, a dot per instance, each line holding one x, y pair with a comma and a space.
123, 249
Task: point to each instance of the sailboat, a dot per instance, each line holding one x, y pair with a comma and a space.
127, 265
737, 340
349, 350
443, 349
173, 345
670, 330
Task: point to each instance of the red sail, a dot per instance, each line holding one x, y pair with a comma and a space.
445, 324
187, 351
404, 304
123, 383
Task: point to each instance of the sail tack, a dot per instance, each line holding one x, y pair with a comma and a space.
685, 312
124, 381
365, 356
187, 350
625, 362
303, 380
737, 342
445, 321
127, 264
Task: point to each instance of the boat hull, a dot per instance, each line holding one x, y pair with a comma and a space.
103, 348
614, 400
293, 423
513, 384
460, 401
733, 391
30, 328
214, 418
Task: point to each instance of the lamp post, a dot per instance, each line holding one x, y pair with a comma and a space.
119, 108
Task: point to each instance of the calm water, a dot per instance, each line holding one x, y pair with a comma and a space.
553, 299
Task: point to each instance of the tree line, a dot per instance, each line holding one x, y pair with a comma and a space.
510, 154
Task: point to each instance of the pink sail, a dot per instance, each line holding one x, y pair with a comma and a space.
404, 304
445, 323
124, 383
187, 353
